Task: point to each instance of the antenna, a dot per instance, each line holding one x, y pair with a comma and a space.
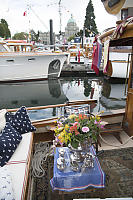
60, 14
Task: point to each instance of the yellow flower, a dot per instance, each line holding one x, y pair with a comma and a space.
62, 134
61, 137
92, 117
98, 118
66, 126
72, 116
102, 111
60, 129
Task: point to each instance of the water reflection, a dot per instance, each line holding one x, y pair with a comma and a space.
30, 94
113, 96
108, 95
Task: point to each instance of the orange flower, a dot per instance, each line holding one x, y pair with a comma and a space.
76, 132
80, 116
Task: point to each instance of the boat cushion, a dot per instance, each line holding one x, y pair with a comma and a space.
20, 120
19, 165
2, 118
6, 189
9, 140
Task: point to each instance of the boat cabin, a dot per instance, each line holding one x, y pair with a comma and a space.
19, 45
3, 47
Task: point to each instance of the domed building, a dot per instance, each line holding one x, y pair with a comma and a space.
71, 28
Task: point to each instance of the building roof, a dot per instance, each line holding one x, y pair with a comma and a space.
71, 20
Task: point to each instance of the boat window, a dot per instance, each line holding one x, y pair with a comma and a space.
124, 14
11, 48
2, 48
54, 68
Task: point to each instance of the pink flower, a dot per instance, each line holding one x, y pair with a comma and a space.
102, 126
95, 122
85, 129
56, 139
75, 123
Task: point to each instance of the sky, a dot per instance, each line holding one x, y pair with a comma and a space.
41, 11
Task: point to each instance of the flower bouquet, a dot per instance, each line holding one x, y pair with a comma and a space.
75, 129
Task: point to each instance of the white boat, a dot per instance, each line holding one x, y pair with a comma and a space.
76, 55
27, 66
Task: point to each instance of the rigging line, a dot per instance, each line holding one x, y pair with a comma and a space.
113, 144
38, 17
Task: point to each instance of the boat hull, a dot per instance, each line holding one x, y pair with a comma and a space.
30, 66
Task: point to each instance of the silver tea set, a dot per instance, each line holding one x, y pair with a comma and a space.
77, 164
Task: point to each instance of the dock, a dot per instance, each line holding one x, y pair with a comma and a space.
79, 70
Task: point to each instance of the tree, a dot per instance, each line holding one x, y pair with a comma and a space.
71, 38
89, 24
34, 35
20, 36
80, 33
4, 30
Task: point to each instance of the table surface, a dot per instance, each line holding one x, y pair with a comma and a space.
68, 180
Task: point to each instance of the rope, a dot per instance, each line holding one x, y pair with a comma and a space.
42, 151
115, 145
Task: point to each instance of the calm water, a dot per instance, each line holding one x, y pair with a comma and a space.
30, 94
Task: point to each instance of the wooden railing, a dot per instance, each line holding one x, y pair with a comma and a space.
49, 121
69, 103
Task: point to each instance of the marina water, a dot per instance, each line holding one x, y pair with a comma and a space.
58, 91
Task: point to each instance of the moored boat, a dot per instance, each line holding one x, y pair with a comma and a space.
76, 55
117, 59
28, 66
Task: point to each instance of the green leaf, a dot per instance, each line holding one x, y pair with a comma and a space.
75, 144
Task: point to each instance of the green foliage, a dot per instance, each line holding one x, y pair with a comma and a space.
71, 38
25, 36
4, 30
89, 24
20, 36
34, 36
80, 33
